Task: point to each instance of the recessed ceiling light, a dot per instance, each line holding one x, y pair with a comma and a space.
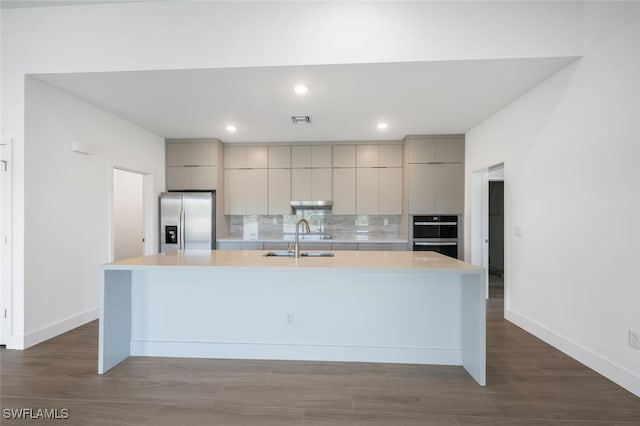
231, 128
301, 89
382, 126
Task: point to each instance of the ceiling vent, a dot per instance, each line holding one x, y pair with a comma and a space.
301, 119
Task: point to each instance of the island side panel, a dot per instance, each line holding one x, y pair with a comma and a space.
115, 319
474, 335
304, 314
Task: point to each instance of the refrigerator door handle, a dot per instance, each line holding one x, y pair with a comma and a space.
181, 240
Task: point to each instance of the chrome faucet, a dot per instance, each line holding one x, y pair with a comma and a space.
296, 247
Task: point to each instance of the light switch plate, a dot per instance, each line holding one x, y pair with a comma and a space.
518, 231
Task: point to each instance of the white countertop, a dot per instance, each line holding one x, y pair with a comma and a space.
346, 259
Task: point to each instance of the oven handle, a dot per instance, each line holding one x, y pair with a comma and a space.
435, 244
433, 223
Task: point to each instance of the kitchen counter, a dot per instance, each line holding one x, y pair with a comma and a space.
382, 306
371, 260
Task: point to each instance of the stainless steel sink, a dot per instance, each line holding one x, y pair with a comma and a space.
279, 254
316, 254
303, 254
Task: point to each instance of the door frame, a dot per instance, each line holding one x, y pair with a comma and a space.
6, 243
479, 222
149, 208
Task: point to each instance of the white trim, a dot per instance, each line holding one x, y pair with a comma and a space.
610, 369
346, 353
53, 330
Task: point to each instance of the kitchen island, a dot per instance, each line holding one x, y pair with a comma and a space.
386, 306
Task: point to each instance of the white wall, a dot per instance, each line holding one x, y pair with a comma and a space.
572, 182
68, 204
128, 214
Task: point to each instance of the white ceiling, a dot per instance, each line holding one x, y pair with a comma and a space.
344, 101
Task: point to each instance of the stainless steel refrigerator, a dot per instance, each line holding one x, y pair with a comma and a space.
187, 220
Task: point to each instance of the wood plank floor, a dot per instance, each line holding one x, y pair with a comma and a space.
529, 383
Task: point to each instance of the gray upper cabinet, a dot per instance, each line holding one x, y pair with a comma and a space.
421, 150
246, 180
191, 164
344, 156
435, 149
435, 174
279, 157
379, 155
379, 179
449, 150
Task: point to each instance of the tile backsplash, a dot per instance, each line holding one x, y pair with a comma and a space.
252, 227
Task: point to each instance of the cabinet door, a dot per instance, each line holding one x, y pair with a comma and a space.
279, 191
235, 191
344, 156
450, 150
301, 184
344, 191
279, 157
421, 150
369, 246
178, 154
257, 189
235, 158
321, 156
367, 191
257, 157
367, 155
390, 156
321, 184
178, 178
300, 156
203, 153
227, 245
203, 177
344, 246
449, 188
422, 194
391, 191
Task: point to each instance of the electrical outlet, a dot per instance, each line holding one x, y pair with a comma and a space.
386, 221
290, 319
634, 339
275, 220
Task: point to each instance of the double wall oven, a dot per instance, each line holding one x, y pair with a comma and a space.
437, 233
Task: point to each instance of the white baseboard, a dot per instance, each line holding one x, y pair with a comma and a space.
610, 369
441, 356
53, 330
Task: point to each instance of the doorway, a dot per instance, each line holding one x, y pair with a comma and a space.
496, 238
128, 214
488, 221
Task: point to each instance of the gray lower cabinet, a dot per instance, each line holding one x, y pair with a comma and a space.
369, 246
344, 246
252, 245
228, 245
276, 245
394, 246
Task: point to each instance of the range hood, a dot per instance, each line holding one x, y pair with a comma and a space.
311, 205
